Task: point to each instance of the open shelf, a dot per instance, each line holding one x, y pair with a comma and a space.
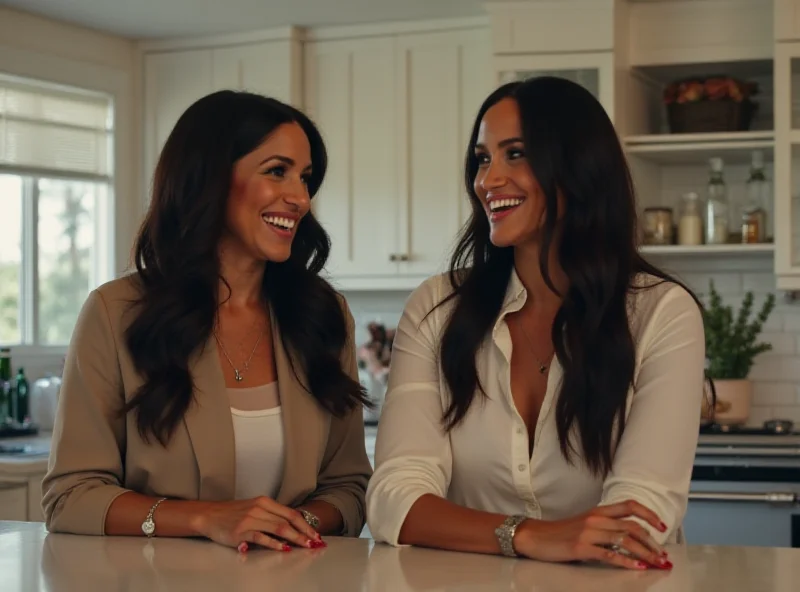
733, 147
711, 250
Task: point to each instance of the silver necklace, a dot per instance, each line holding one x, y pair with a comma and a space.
237, 374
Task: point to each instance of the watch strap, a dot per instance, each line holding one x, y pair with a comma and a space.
505, 534
149, 525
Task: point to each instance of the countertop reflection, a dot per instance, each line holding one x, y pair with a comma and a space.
31, 560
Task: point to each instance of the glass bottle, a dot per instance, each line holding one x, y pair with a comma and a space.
690, 224
5, 384
756, 204
717, 205
21, 400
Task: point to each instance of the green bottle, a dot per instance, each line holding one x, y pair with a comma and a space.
5, 384
20, 398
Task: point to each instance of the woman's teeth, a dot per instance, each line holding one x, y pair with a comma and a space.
503, 204
285, 223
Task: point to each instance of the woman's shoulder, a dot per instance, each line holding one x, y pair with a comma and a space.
654, 300
117, 297
428, 299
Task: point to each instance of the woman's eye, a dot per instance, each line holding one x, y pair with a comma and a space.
515, 153
277, 171
483, 159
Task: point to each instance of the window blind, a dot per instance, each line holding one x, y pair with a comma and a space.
54, 130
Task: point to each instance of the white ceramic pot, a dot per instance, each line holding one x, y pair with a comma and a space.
734, 400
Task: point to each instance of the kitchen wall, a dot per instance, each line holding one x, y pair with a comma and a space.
776, 374
44, 49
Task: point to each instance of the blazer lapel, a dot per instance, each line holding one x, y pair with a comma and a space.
210, 427
304, 427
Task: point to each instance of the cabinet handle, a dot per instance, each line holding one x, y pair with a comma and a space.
394, 257
725, 496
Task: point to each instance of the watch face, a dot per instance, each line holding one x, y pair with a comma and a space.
149, 527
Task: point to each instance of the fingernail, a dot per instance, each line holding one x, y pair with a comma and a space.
318, 544
663, 527
663, 553
664, 564
286, 548
242, 547
317, 537
641, 565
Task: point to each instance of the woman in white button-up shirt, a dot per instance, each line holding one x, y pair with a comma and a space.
511, 375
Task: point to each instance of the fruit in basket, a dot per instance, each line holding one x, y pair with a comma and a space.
714, 88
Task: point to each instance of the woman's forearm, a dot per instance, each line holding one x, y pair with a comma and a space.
437, 523
173, 518
330, 519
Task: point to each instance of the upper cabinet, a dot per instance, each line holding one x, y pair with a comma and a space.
177, 73
396, 111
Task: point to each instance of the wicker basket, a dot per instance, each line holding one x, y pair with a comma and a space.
710, 116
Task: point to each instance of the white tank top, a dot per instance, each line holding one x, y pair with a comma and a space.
259, 440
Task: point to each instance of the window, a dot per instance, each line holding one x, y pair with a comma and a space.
56, 218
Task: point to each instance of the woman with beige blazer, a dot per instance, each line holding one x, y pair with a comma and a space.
214, 392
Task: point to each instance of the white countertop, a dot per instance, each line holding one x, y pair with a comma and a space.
31, 560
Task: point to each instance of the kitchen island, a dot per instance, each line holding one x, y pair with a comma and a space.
31, 560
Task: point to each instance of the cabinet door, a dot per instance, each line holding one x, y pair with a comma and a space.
351, 93
594, 71
786, 19
445, 78
272, 68
787, 165
172, 81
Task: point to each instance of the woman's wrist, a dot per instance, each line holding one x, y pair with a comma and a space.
524, 540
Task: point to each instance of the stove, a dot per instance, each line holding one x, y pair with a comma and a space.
745, 487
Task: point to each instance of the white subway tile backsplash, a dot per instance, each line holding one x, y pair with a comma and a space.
776, 374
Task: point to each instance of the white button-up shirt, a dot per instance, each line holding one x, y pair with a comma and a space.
483, 463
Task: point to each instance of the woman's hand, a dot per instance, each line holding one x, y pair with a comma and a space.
261, 521
591, 536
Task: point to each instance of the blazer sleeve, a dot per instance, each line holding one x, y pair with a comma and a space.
346, 470
85, 470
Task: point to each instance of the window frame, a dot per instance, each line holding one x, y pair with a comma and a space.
104, 231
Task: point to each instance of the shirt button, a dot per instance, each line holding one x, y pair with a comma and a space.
521, 468
519, 430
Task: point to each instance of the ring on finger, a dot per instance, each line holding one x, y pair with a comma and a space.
617, 546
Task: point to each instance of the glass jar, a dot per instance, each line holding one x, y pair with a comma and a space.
658, 226
690, 224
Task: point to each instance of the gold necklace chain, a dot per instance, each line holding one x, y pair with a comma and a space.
238, 375
542, 366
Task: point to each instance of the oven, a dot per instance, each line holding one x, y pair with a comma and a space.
745, 490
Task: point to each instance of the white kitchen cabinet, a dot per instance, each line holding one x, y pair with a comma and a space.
396, 113
172, 82
13, 501
269, 68
787, 165
786, 15
352, 95
592, 70
176, 74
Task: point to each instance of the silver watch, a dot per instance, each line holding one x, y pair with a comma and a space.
149, 525
505, 534
312, 520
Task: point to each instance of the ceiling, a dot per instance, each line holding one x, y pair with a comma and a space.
168, 18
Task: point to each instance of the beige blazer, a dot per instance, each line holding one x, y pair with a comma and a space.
97, 455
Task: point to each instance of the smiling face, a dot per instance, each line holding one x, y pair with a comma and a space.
269, 196
512, 197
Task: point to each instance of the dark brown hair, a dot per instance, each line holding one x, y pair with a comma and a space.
179, 270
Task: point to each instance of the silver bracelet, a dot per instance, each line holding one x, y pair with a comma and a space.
505, 534
149, 525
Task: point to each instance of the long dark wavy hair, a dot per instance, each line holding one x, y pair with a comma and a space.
571, 146
179, 269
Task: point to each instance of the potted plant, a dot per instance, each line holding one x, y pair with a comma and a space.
731, 348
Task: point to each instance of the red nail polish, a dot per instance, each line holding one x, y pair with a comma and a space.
666, 564
641, 565
242, 547
286, 548
318, 544
663, 527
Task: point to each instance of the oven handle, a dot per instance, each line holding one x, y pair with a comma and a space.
725, 496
